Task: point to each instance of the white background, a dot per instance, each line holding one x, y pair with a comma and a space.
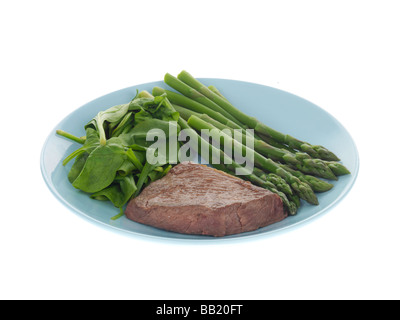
342, 55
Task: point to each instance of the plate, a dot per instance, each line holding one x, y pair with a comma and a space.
281, 110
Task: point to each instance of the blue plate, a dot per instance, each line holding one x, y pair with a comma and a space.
280, 110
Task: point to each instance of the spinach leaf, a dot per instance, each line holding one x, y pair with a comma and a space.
126, 168
119, 193
143, 176
133, 158
91, 143
157, 108
100, 168
122, 125
137, 103
113, 155
139, 133
77, 166
111, 115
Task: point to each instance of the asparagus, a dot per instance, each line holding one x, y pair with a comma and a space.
279, 182
196, 96
181, 100
325, 169
302, 189
316, 184
269, 140
275, 143
178, 99
186, 113
337, 168
301, 161
216, 91
315, 151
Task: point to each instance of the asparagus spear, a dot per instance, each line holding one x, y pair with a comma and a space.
275, 143
316, 184
178, 99
337, 168
302, 189
315, 151
216, 91
301, 161
186, 113
279, 182
269, 140
181, 100
196, 96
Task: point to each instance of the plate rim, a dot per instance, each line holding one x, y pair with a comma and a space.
206, 239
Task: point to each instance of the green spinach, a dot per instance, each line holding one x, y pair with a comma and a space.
111, 164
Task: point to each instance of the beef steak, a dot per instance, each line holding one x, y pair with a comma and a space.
196, 199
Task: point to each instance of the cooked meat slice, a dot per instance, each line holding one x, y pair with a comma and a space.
196, 199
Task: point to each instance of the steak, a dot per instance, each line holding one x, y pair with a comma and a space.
196, 199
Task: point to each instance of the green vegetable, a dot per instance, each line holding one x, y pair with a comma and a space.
337, 168
157, 108
112, 115
269, 140
125, 123
70, 136
186, 113
196, 96
313, 150
100, 168
277, 151
216, 91
302, 161
134, 160
178, 99
279, 182
77, 167
143, 175
126, 168
121, 214
316, 184
113, 152
119, 193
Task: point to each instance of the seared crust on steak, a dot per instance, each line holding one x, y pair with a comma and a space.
196, 199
